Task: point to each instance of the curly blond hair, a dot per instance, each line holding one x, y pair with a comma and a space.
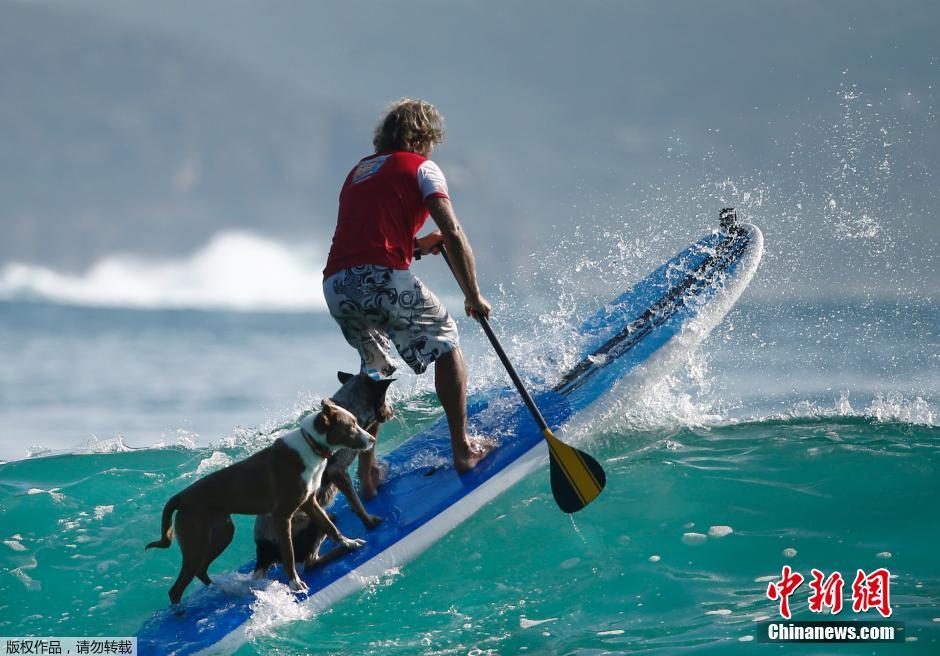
409, 124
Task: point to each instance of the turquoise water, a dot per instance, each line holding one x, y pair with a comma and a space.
793, 436
838, 490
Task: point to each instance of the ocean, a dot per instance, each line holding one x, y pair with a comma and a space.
801, 434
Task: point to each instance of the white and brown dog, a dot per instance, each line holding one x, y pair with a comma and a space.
276, 480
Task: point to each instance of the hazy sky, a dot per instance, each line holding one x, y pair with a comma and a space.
818, 119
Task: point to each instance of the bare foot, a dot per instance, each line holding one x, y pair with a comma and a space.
371, 479
476, 450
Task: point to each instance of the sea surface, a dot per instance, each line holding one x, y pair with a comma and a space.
802, 434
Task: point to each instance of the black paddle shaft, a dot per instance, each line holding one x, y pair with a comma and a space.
577, 478
523, 392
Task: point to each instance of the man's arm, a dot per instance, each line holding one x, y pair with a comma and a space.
460, 253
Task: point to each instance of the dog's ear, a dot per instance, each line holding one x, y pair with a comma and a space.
382, 384
343, 377
328, 412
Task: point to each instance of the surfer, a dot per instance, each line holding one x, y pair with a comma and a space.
367, 282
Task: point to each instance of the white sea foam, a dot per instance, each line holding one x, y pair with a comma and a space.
893, 407
102, 511
217, 460
233, 271
526, 623
372, 584
181, 438
56, 496
28, 582
90, 446
274, 605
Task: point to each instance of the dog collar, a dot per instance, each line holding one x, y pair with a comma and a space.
318, 448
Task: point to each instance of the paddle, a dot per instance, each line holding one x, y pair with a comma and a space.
577, 478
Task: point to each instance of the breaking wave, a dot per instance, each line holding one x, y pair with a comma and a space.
234, 270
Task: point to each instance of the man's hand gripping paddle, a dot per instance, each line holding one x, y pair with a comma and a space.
577, 478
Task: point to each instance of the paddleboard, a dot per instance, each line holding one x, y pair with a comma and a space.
630, 342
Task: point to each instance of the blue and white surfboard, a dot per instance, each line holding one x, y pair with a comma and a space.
630, 343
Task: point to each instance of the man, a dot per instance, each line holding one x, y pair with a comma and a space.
369, 288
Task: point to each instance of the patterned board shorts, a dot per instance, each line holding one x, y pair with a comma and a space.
376, 306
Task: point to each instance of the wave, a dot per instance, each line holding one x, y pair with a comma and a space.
740, 495
893, 408
234, 270
687, 400
668, 406
92, 445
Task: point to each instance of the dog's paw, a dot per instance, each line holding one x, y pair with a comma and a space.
371, 521
259, 574
353, 543
298, 586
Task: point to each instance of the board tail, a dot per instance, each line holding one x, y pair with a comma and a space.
166, 527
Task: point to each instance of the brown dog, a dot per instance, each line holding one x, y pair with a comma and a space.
277, 480
365, 398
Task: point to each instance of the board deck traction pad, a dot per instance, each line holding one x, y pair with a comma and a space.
704, 275
424, 497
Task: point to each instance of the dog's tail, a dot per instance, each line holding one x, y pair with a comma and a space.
166, 528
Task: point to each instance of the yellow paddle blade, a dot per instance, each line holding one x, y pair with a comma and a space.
577, 478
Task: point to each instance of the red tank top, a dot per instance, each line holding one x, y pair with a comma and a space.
381, 210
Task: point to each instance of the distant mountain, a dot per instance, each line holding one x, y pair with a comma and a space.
115, 139
580, 131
